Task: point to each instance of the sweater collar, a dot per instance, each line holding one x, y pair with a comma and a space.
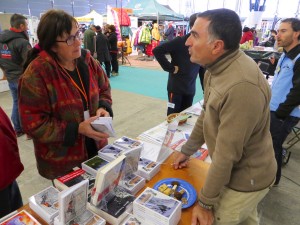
223, 61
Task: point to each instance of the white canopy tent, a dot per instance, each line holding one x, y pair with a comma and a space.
93, 18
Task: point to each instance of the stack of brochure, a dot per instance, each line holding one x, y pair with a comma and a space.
147, 168
73, 207
93, 165
45, 204
110, 152
104, 124
152, 207
133, 183
131, 220
22, 217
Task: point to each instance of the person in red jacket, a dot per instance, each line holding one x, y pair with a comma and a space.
10, 167
247, 35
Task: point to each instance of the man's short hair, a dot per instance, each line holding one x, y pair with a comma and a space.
273, 31
295, 23
225, 25
16, 20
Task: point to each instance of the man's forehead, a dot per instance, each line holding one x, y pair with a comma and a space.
285, 25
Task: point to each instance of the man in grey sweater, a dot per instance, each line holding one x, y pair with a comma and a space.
234, 124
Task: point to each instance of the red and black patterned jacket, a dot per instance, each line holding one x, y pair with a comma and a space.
10, 163
51, 109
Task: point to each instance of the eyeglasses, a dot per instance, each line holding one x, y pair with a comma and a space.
71, 39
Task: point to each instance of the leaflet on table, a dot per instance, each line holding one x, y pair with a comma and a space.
160, 152
195, 109
104, 124
156, 134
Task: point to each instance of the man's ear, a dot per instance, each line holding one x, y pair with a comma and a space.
218, 47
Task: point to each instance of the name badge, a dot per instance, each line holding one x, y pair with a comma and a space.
171, 105
86, 114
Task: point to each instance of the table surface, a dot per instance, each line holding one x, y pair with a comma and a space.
194, 174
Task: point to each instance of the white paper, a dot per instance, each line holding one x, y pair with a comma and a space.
104, 124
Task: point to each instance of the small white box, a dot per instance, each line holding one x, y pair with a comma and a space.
152, 207
133, 183
147, 168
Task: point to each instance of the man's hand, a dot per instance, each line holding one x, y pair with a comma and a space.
202, 216
101, 112
181, 160
86, 129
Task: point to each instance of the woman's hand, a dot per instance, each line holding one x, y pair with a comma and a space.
101, 112
86, 129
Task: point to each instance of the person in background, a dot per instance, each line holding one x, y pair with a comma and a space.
169, 34
113, 42
234, 123
247, 35
102, 49
63, 89
182, 72
89, 39
271, 41
10, 168
14, 45
285, 101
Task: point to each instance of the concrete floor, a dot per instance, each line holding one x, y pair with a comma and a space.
134, 114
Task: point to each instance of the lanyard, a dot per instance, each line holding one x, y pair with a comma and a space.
80, 89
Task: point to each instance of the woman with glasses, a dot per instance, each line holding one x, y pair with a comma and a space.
63, 89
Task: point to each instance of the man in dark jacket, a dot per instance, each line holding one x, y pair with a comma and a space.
182, 72
10, 167
89, 39
14, 45
102, 49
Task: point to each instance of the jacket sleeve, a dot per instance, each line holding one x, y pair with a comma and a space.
292, 99
160, 53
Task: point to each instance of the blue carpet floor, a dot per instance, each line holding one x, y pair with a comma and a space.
152, 83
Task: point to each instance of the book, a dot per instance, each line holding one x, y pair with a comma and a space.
153, 207
132, 160
133, 183
107, 179
117, 206
128, 143
22, 217
86, 218
93, 165
72, 202
104, 124
147, 168
111, 152
45, 204
131, 220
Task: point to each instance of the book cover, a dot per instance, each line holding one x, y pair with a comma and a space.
22, 217
131, 220
45, 203
147, 168
104, 124
133, 183
116, 208
93, 165
153, 207
107, 179
132, 160
110, 152
72, 202
128, 143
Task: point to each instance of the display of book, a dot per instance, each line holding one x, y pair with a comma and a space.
131, 220
107, 179
22, 217
133, 183
118, 204
128, 143
104, 124
110, 152
93, 165
147, 168
45, 204
152, 207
